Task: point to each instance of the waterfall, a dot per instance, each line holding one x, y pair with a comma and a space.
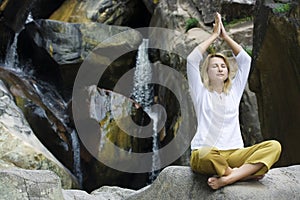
48, 95
11, 58
54, 101
143, 94
155, 147
29, 18
76, 154
142, 77
51, 98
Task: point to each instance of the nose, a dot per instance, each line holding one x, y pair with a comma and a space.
220, 68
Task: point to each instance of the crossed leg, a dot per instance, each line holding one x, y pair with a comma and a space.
235, 165
242, 173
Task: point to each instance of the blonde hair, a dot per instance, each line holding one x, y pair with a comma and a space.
204, 74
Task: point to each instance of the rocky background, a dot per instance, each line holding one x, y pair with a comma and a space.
43, 44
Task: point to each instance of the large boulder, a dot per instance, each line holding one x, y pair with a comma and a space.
59, 48
108, 12
174, 182
104, 122
46, 185
10, 9
178, 11
9, 23
177, 182
30, 184
103, 193
45, 112
276, 74
19, 147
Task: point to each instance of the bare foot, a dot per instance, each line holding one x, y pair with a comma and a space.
259, 177
241, 173
216, 183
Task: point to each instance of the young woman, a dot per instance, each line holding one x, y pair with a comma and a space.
217, 147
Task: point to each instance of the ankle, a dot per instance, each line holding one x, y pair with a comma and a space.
226, 180
228, 171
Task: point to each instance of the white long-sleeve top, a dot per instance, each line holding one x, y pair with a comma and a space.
217, 114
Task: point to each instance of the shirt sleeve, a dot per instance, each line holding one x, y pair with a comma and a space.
240, 80
193, 74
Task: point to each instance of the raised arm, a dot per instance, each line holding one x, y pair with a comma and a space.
193, 61
235, 47
243, 61
216, 32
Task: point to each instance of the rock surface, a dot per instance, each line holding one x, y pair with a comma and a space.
103, 193
47, 120
181, 183
58, 49
108, 12
19, 147
276, 74
109, 115
174, 182
30, 184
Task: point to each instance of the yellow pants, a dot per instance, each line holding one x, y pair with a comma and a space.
210, 160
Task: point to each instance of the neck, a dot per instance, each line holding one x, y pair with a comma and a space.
218, 87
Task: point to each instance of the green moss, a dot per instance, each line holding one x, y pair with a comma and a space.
115, 134
191, 23
21, 103
211, 49
282, 8
248, 50
237, 21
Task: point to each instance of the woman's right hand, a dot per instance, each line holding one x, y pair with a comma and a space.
223, 33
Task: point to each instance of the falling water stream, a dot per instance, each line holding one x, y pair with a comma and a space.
143, 94
48, 95
142, 91
76, 154
11, 59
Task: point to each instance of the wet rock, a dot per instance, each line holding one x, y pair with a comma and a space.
106, 12
58, 49
19, 147
105, 121
45, 113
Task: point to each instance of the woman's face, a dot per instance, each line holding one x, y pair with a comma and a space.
217, 69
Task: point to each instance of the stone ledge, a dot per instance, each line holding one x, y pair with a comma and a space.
178, 182
174, 182
30, 184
